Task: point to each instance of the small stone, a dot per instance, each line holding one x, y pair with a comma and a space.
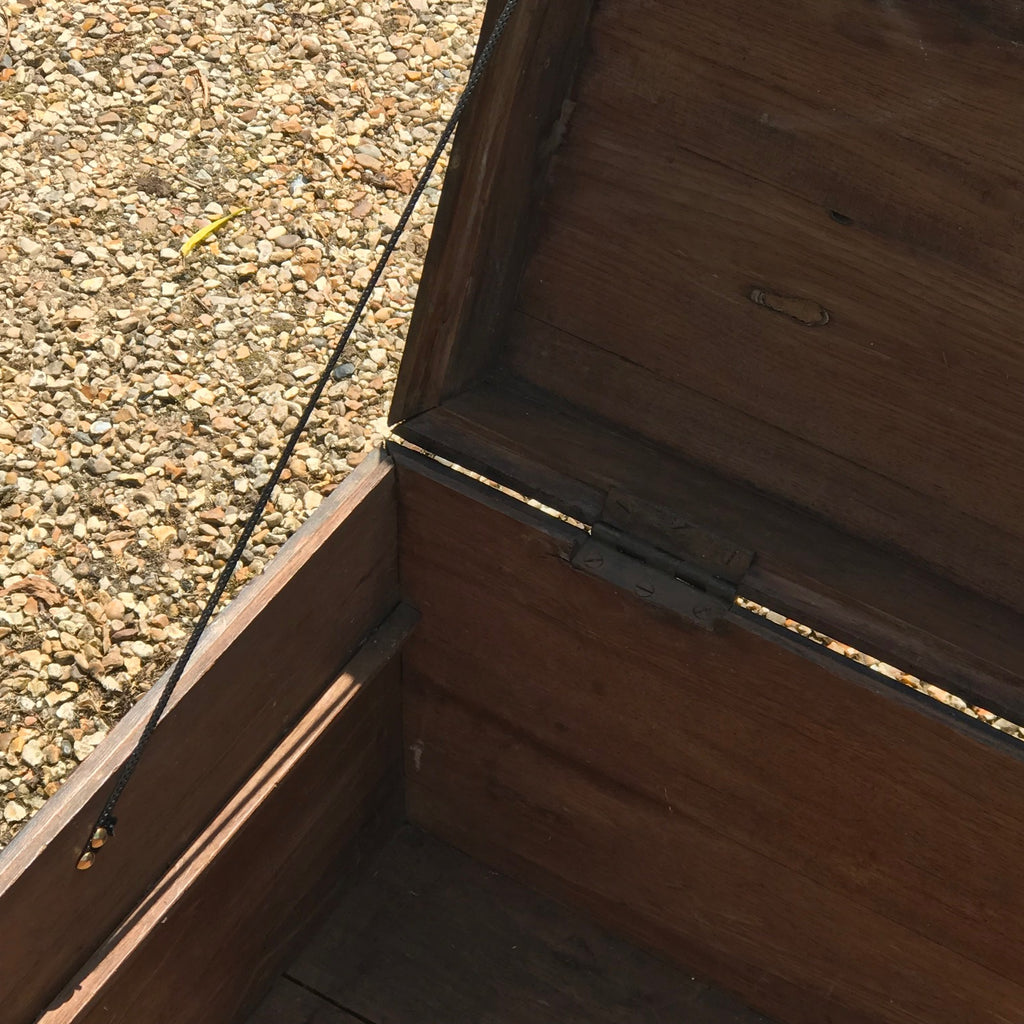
29, 247
288, 241
311, 500
34, 659
343, 371
370, 162
87, 744
78, 315
162, 534
277, 231
99, 427
13, 811
92, 284
32, 754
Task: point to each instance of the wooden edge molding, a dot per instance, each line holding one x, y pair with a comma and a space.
884, 605
264, 660
489, 205
208, 938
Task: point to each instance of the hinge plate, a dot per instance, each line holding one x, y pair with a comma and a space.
696, 577
654, 583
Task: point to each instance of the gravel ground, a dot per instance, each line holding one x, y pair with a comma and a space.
144, 396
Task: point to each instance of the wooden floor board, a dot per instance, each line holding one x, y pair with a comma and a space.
433, 937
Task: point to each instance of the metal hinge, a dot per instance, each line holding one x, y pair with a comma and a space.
662, 558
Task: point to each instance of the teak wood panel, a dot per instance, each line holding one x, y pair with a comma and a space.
829, 852
265, 660
701, 168
429, 936
771, 460
289, 1003
885, 605
492, 186
205, 944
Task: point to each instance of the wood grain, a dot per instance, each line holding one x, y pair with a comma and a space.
430, 935
288, 1003
828, 851
726, 180
484, 220
914, 377
870, 598
885, 511
927, 159
264, 661
204, 945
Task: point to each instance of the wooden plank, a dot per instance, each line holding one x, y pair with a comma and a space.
839, 390
430, 935
842, 386
484, 220
289, 1003
826, 850
705, 155
865, 596
928, 158
265, 660
884, 511
205, 943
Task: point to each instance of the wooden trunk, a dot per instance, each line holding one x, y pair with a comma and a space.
721, 305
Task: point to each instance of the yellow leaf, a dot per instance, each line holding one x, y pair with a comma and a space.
204, 233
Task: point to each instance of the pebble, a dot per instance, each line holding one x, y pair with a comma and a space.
144, 396
13, 811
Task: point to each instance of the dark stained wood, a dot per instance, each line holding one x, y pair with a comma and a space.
264, 661
726, 182
494, 179
204, 945
429, 935
887, 606
826, 850
688, 244
914, 381
927, 158
289, 1003
882, 510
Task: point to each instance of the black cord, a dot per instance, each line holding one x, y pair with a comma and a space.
104, 826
